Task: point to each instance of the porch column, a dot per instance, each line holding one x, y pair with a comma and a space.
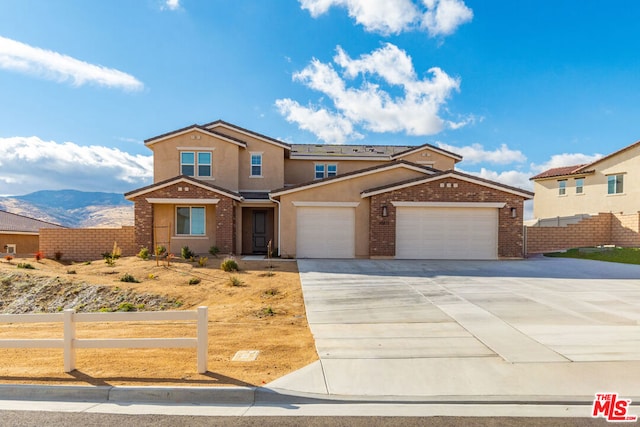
226, 226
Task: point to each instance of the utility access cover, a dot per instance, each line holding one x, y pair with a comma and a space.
246, 356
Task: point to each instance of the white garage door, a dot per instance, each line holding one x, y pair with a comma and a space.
446, 233
325, 232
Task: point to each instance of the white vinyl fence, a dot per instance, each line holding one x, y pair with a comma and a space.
69, 343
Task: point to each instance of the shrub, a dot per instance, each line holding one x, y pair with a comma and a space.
26, 265
186, 253
202, 261
57, 255
129, 278
144, 253
126, 306
8, 258
39, 255
160, 250
229, 264
194, 281
235, 281
116, 252
71, 272
214, 250
268, 311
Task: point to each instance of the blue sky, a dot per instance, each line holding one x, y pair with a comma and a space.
514, 86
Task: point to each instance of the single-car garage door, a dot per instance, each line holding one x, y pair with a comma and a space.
325, 232
446, 232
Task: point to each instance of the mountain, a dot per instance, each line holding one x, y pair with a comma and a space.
72, 208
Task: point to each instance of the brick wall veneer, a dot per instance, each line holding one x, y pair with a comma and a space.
382, 231
225, 215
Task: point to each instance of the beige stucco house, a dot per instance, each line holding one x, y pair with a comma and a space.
221, 185
19, 234
606, 185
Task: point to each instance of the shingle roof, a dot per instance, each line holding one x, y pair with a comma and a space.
22, 224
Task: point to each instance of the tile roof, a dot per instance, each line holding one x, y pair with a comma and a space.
562, 171
23, 224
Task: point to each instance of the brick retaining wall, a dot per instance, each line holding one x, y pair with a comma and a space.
86, 244
602, 229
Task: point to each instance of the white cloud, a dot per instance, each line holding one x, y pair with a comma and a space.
513, 178
438, 17
20, 57
170, 5
416, 112
565, 159
443, 17
31, 164
476, 153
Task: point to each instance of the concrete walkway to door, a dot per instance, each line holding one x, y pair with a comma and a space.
543, 329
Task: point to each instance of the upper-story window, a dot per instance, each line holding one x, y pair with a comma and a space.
562, 187
190, 220
325, 170
256, 164
579, 185
192, 161
615, 184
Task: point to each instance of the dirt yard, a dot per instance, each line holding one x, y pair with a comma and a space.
261, 310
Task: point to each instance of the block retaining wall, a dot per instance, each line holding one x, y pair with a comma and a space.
87, 244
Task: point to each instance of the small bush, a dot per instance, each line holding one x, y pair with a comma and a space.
194, 281
160, 250
126, 306
129, 278
71, 272
26, 265
271, 292
57, 255
229, 264
202, 261
144, 253
116, 252
8, 258
268, 311
39, 255
186, 253
105, 310
151, 276
235, 281
214, 250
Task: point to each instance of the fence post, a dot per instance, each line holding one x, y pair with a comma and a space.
69, 338
203, 339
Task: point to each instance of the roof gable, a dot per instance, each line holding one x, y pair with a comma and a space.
222, 124
193, 128
430, 147
609, 156
179, 179
448, 174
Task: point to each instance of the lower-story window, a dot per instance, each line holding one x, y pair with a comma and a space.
190, 220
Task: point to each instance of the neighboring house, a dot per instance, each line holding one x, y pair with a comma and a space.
221, 185
20, 234
610, 184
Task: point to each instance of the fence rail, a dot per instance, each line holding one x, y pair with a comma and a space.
69, 343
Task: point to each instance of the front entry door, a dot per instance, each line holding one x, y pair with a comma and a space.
260, 239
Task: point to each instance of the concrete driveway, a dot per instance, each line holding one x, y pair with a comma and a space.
543, 328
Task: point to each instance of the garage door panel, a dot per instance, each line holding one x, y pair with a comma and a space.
446, 233
325, 232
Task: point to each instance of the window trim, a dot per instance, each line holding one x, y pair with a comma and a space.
615, 182
562, 187
251, 165
196, 163
204, 220
579, 187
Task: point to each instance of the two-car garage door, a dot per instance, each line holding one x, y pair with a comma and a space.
446, 232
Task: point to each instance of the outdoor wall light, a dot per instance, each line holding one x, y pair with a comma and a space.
385, 212
513, 212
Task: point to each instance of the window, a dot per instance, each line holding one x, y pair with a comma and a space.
579, 185
190, 221
562, 187
615, 184
256, 164
324, 171
189, 166
11, 248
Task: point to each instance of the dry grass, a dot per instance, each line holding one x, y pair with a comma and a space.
265, 313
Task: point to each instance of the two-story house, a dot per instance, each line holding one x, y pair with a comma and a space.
221, 185
608, 184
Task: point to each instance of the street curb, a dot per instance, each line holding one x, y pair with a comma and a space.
222, 395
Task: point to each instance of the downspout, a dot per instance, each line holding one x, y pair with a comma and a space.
279, 229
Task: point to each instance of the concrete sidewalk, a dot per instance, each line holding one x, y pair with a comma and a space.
545, 329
